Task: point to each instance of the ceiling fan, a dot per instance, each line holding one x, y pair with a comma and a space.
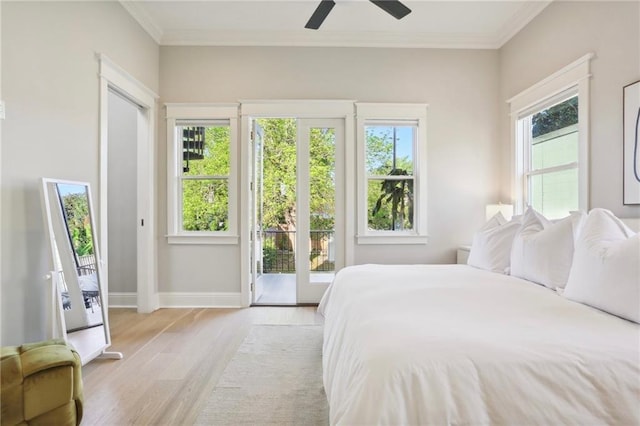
392, 7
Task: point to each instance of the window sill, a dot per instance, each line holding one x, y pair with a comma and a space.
203, 239
392, 239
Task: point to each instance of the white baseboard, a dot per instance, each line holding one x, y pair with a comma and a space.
123, 300
200, 300
180, 300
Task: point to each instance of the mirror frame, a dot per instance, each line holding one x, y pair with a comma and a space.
85, 343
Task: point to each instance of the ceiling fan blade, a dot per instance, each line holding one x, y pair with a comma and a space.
392, 7
320, 14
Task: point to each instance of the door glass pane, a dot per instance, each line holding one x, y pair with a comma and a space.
554, 194
276, 221
322, 197
205, 205
278, 194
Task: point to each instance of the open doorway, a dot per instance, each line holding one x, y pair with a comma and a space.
122, 197
296, 205
114, 81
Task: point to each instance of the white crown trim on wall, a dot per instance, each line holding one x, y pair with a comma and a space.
143, 18
304, 37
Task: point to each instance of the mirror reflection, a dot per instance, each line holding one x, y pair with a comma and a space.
73, 202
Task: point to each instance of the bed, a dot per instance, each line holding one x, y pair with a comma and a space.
454, 344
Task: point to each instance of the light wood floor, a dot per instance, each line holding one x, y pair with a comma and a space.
173, 358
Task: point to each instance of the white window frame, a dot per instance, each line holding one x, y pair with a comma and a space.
393, 114
178, 114
572, 80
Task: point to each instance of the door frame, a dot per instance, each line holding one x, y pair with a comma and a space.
300, 109
113, 77
256, 206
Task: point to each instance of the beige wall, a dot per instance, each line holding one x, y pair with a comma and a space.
562, 33
51, 86
460, 87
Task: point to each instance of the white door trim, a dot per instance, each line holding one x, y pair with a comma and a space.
113, 77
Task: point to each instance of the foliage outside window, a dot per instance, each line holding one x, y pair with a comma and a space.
201, 173
390, 180
277, 182
279, 175
205, 177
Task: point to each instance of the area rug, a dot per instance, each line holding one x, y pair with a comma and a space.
275, 378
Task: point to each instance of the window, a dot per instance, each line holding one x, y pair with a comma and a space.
550, 134
392, 164
550, 137
204, 181
390, 180
201, 145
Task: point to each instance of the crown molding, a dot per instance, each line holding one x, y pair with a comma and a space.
146, 22
328, 39
306, 38
520, 20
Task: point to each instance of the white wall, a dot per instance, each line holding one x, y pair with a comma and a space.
51, 87
122, 201
562, 33
460, 87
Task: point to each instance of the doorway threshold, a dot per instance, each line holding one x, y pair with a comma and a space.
277, 290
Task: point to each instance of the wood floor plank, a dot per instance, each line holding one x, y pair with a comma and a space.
173, 359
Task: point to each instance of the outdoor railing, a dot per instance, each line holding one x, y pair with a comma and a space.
86, 264
279, 248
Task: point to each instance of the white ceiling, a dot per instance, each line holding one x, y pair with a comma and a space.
476, 24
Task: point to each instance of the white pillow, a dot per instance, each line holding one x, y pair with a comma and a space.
491, 245
542, 250
606, 266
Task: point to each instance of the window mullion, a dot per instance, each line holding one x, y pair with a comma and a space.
568, 166
205, 177
391, 177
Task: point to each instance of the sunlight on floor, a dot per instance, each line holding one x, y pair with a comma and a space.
280, 289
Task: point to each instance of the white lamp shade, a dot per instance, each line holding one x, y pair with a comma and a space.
505, 209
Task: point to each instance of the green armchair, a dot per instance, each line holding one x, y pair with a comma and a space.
41, 383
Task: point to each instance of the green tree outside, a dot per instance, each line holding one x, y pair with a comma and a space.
556, 117
76, 211
389, 202
205, 201
279, 175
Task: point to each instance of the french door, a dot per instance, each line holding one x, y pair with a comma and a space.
315, 224
320, 233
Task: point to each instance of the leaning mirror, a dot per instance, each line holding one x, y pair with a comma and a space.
79, 314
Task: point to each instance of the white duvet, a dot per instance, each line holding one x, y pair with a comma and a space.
451, 344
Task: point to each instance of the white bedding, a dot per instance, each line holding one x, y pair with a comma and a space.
451, 344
